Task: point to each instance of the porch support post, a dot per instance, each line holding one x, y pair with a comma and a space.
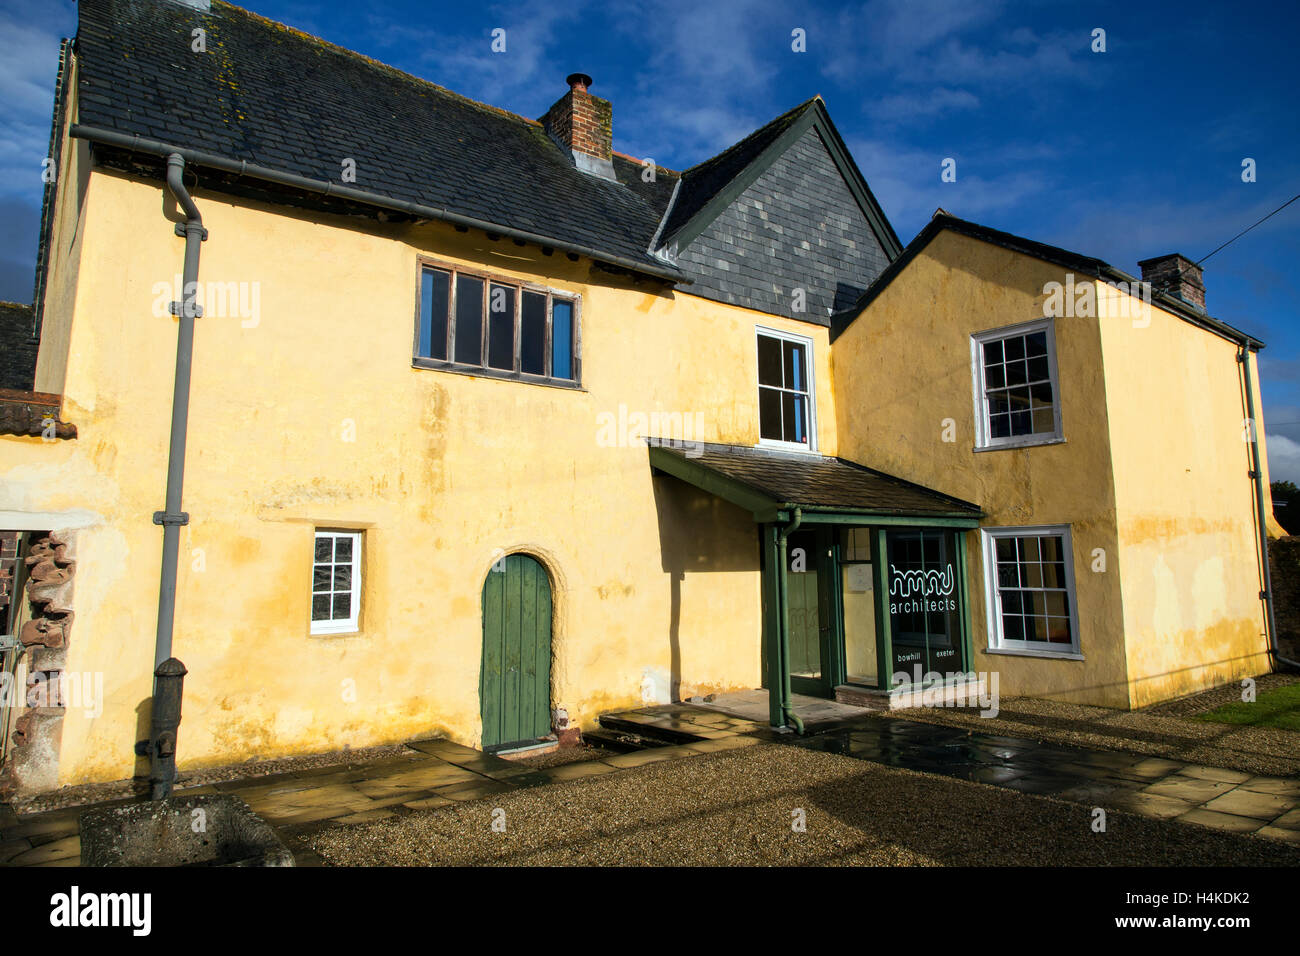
963, 595
884, 641
772, 627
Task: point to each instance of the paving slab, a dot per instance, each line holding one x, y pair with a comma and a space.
1220, 821
1250, 803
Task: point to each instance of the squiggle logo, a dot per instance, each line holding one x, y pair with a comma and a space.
920, 583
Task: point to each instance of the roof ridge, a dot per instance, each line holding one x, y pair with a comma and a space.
766, 126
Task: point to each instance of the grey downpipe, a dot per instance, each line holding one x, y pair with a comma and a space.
419, 210
1257, 480
783, 621
172, 517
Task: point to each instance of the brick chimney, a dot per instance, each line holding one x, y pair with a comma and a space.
583, 126
1177, 276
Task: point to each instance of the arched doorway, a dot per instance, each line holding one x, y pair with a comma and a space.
515, 677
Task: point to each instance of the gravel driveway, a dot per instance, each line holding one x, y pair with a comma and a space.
736, 808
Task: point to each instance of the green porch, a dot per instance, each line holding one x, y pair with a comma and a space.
864, 574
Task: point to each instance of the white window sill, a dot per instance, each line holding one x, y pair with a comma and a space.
1035, 652
351, 631
775, 445
1027, 442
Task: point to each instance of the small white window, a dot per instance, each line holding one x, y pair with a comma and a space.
1017, 401
787, 417
336, 582
1029, 584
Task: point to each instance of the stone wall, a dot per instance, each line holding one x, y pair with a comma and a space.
32, 764
1284, 565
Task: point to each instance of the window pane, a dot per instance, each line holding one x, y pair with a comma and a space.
769, 413
532, 334
434, 287
794, 417
769, 361
1014, 347
1036, 343
469, 320
324, 548
793, 366
561, 338
992, 352
342, 577
343, 548
321, 579
501, 327
342, 607
320, 607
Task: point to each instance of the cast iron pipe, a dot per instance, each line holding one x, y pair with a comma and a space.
171, 518
783, 620
1257, 480
164, 722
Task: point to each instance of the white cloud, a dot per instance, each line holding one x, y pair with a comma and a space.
29, 60
1283, 458
919, 104
906, 182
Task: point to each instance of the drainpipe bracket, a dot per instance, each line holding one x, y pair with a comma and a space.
178, 308
163, 518
181, 230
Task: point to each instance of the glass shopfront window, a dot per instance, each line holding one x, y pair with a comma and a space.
858, 599
924, 603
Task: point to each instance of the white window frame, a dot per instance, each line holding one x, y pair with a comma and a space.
807, 343
997, 643
983, 437
352, 624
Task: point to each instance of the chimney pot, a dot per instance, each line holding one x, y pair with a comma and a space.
579, 82
1177, 276
582, 126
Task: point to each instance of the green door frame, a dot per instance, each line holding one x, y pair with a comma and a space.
830, 575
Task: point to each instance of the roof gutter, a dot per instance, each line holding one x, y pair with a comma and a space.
142, 144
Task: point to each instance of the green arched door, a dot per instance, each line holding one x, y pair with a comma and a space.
515, 679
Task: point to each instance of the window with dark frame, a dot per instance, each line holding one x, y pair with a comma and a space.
504, 328
784, 390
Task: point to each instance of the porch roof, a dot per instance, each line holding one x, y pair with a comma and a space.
772, 484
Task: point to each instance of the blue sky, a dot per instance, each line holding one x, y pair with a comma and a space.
1123, 155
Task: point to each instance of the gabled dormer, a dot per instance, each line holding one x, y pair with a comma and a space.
782, 220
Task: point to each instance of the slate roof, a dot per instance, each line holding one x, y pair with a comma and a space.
17, 346
25, 413
1071, 261
275, 97
815, 482
705, 180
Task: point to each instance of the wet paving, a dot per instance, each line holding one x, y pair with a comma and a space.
1151, 786
438, 773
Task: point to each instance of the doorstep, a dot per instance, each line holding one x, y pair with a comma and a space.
947, 694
